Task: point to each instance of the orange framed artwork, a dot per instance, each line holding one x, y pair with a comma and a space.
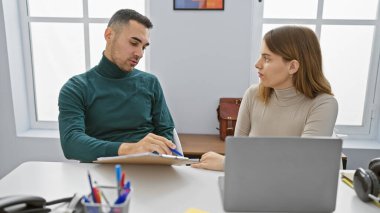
198, 5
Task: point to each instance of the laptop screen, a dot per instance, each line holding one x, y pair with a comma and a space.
281, 173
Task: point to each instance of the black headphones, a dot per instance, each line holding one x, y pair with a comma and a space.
367, 181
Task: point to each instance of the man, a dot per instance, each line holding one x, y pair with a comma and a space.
115, 109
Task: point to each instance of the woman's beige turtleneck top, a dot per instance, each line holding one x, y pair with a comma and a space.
288, 113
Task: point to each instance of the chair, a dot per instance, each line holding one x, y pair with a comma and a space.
343, 162
176, 141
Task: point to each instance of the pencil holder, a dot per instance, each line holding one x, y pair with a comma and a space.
107, 204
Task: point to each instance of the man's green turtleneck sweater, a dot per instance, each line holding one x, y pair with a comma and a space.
104, 107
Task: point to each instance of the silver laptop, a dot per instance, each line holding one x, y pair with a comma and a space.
288, 174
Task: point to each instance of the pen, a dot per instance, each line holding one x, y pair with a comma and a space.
122, 180
175, 151
97, 195
122, 198
92, 189
85, 199
104, 197
118, 177
127, 186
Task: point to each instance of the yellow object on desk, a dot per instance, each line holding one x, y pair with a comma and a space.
348, 182
193, 210
348, 178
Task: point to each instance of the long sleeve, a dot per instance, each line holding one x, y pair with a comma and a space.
162, 119
322, 117
76, 144
243, 123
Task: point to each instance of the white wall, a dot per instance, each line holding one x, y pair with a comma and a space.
198, 56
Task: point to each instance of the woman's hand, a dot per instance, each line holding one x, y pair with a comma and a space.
211, 161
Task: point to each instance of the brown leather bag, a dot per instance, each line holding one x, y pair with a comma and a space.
227, 115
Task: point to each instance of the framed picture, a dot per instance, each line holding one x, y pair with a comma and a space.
198, 5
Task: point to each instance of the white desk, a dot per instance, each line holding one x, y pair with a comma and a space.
156, 188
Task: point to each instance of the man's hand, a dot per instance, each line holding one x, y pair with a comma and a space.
149, 143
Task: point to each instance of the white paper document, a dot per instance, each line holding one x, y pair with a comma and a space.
148, 158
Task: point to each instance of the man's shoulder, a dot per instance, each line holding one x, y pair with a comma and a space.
145, 76
77, 81
82, 78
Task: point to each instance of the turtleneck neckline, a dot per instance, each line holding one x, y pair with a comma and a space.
287, 97
108, 69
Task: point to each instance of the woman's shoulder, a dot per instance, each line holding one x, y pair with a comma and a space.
251, 95
252, 90
325, 98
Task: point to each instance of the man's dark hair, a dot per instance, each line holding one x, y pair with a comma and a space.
123, 16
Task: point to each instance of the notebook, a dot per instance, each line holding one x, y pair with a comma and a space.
148, 158
281, 174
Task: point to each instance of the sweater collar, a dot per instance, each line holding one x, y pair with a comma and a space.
287, 97
108, 69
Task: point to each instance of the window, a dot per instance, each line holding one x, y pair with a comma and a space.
63, 38
348, 31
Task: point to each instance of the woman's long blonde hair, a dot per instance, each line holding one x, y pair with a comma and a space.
301, 44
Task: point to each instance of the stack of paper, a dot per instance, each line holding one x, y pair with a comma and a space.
148, 158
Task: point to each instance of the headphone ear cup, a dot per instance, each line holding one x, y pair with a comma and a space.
374, 166
375, 160
375, 183
363, 184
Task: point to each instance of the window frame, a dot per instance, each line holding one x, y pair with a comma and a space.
369, 127
25, 21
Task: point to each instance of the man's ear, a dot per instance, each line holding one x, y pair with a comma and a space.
108, 34
293, 66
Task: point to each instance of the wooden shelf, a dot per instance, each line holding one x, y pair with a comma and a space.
194, 145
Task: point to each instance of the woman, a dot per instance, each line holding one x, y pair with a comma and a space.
293, 98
